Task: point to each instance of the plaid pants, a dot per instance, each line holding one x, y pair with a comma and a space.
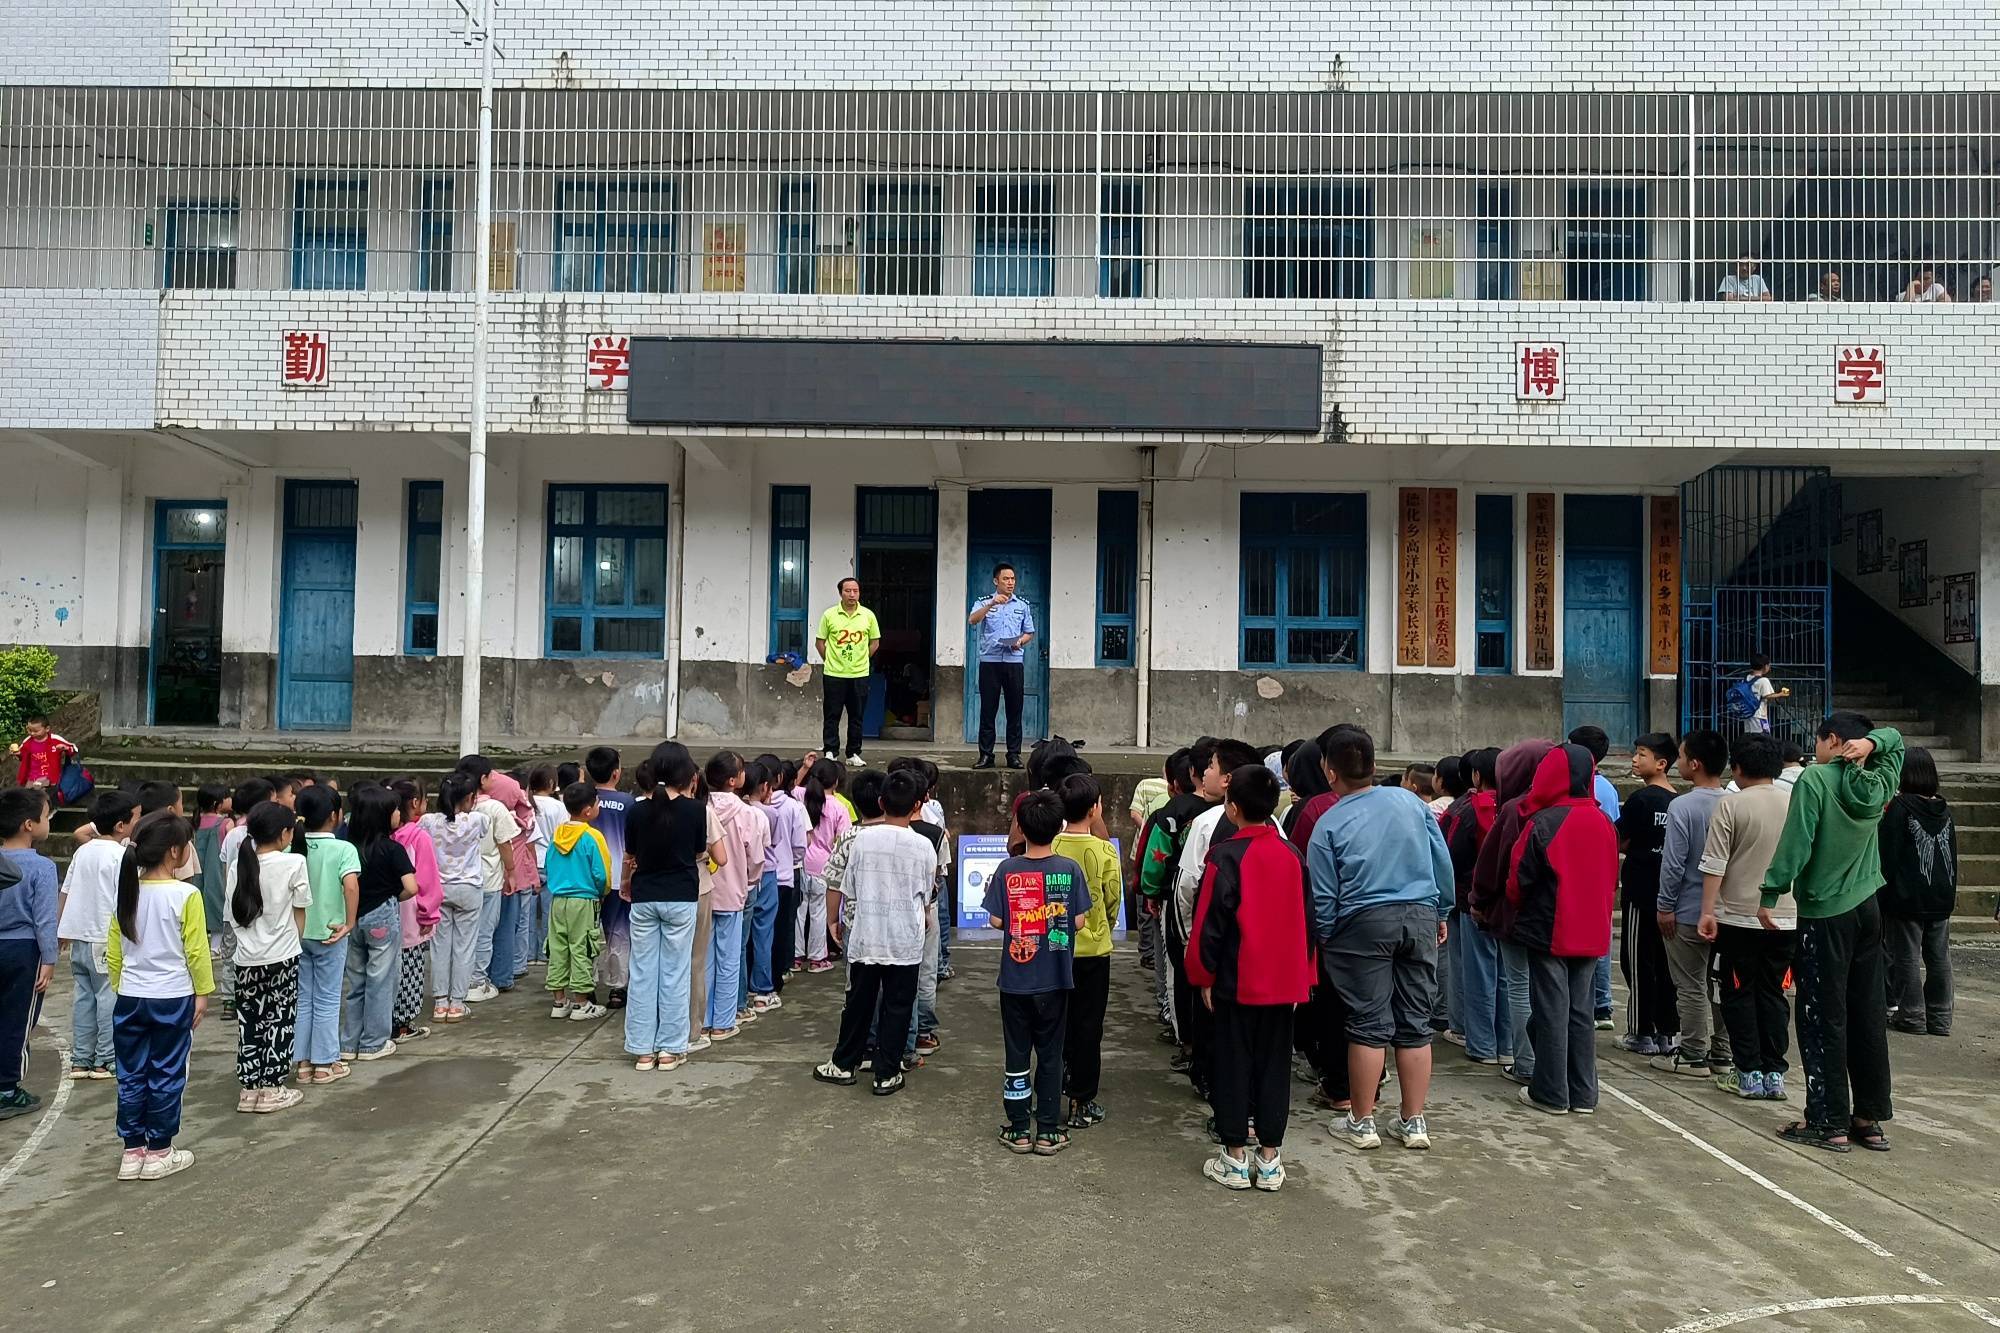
410, 981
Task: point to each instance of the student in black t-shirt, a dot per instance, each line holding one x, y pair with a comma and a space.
667, 836
375, 946
1652, 1014
1036, 900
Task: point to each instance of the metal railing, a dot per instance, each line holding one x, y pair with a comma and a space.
1549, 196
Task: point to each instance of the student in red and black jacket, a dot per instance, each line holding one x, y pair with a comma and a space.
1251, 955
1561, 882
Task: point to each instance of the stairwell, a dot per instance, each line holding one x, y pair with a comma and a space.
1885, 705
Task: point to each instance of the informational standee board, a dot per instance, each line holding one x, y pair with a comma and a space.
979, 855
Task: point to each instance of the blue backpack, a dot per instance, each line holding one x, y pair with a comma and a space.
1741, 701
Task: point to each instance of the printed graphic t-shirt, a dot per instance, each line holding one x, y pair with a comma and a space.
1038, 901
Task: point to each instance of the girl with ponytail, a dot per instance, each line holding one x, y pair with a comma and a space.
160, 968
828, 818
420, 914
268, 907
457, 838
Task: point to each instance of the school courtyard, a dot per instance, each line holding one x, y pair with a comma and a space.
517, 1174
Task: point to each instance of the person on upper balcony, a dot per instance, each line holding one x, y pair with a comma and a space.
1925, 287
1829, 287
1745, 284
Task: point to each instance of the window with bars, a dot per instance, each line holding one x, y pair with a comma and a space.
607, 571
423, 557
1495, 239
1308, 242
330, 233
1604, 246
1304, 581
791, 553
200, 249
1493, 590
615, 236
798, 237
1117, 577
435, 220
1121, 270
902, 239
1013, 239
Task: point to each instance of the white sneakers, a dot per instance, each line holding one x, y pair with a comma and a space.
160, 1165
560, 1009
483, 991
388, 1049
585, 1012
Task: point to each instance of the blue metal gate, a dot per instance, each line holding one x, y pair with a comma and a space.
1757, 578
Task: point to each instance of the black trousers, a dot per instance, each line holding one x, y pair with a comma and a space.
784, 934
1651, 1007
1561, 1022
1843, 1022
1032, 1028
1083, 1046
1253, 1071
1326, 1022
894, 985
19, 961
998, 679
1752, 963
838, 693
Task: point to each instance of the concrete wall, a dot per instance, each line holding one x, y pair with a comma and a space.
1944, 513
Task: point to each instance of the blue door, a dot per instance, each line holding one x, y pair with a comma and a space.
316, 617
1602, 603
1010, 527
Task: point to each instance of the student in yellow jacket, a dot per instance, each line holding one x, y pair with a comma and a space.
1083, 809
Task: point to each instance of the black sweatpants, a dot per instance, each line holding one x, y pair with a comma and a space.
19, 961
1651, 1009
1083, 1045
784, 934
894, 985
1843, 1019
1253, 1071
839, 693
1032, 1028
1752, 963
1326, 1017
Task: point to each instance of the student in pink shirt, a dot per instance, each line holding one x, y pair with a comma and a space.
826, 820
744, 832
420, 914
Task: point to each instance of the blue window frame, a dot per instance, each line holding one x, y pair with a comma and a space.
436, 218
200, 249
902, 239
798, 237
606, 586
329, 233
423, 558
616, 236
791, 553
1604, 248
1493, 590
1305, 581
1496, 243
1117, 576
1121, 245
1308, 241
1013, 239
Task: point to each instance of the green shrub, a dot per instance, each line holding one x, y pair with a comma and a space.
25, 676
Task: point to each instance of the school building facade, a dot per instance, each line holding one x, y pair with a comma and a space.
1311, 362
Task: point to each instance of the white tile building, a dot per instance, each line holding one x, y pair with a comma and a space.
1418, 190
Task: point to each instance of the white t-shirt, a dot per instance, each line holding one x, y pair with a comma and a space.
890, 875
232, 847
273, 935
1934, 292
500, 823
1751, 288
550, 815
1762, 687
90, 891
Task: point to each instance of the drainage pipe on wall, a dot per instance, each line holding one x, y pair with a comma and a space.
1142, 614
676, 558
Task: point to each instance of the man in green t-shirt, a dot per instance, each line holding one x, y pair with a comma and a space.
847, 639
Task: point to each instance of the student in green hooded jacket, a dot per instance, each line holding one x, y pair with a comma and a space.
1829, 858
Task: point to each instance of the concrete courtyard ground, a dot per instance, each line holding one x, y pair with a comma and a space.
517, 1174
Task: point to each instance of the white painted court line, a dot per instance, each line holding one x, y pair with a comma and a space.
44, 1125
1709, 1323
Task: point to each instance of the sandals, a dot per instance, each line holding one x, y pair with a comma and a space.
1830, 1140
1017, 1140
1049, 1144
646, 1064
1870, 1137
1082, 1115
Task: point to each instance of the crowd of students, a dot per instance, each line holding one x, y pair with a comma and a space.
1296, 906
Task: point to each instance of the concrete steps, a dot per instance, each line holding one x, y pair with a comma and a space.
1883, 704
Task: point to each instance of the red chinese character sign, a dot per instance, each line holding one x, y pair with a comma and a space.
1541, 582
1411, 511
304, 359
1541, 372
608, 363
1664, 587
1860, 375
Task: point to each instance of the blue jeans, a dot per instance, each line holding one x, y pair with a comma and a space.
656, 996
91, 1045
763, 924
374, 961
1514, 980
483, 938
1602, 994
1478, 991
321, 969
501, 969
725, 965
531, 930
